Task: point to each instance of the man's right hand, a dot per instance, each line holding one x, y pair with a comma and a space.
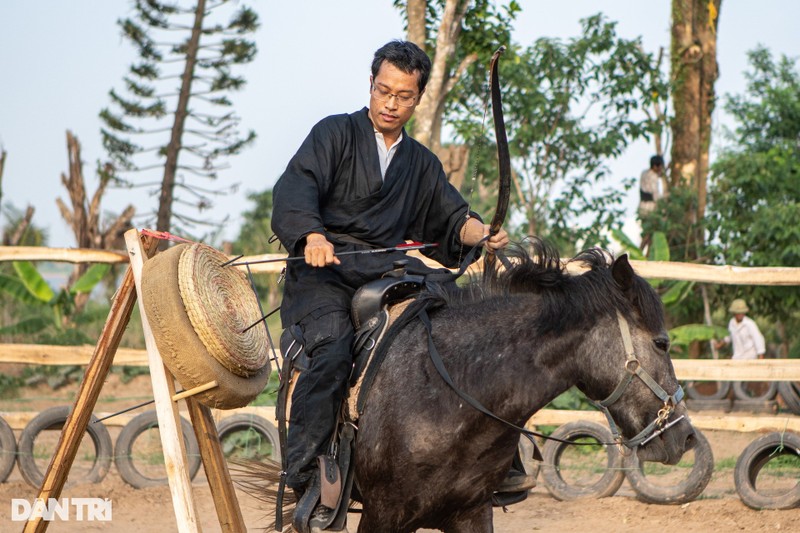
319, 251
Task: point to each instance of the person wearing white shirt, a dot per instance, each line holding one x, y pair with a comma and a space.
747, 340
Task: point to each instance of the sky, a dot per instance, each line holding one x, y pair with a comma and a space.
58, 60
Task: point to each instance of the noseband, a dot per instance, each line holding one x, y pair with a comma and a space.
634, 369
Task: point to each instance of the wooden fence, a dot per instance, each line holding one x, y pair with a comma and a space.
685, 369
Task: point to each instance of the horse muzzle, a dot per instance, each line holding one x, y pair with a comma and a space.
669, 444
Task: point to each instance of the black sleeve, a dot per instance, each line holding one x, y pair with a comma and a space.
304, 184
441, 220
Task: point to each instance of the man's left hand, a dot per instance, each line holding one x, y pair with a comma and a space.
497, 241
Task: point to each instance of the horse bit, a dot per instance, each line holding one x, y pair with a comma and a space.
634, 368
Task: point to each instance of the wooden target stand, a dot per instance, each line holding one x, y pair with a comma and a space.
140, 249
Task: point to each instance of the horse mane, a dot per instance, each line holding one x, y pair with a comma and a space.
563, 299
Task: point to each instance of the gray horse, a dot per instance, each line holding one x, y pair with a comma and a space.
514, 341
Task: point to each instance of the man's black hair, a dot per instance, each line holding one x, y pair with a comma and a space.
656, 161
407, 57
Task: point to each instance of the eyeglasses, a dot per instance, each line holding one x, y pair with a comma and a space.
384, 96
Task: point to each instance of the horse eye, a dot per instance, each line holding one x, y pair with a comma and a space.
662, 343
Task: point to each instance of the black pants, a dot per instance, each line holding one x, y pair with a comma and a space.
320, 389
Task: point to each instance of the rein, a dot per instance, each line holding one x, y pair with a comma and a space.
633, 369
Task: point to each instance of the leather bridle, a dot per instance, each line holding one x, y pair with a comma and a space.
634, 369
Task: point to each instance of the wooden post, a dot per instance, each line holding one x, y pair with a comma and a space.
93, 380
166, 410
222, 491
216, 468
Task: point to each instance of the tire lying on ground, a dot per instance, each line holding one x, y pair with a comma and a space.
686, 490
249, 436
556, 474
694, 390
126, 457
199, 312
790, 392
755, 492
8, 450
755, 390
54, 419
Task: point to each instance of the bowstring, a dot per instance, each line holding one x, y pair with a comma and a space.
481, 144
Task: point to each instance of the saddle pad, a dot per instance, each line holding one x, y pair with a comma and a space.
394, 312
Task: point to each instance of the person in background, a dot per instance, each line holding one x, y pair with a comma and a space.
651, 189
747, 340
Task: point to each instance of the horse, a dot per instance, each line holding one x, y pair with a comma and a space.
514, 341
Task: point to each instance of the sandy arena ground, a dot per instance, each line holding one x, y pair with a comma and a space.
150, 510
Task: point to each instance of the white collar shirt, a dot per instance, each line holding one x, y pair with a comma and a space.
385, 155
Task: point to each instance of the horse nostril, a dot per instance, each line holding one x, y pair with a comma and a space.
691, 441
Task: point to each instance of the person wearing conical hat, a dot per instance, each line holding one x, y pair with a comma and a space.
747, 340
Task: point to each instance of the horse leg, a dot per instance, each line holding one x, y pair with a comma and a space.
476, 520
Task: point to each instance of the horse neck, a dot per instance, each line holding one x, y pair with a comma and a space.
498, 352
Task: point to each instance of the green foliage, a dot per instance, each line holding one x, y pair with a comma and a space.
44, 312
683, 336
572, 399
256, 230
202, 130
570, 107
754, 197
33, 281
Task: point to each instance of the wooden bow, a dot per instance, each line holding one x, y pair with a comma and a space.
503, 160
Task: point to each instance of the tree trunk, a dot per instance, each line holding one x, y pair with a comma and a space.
694, 72
173, 148
417, 34
2, 166
84, 217
430, 106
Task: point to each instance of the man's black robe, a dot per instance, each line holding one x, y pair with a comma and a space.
333, 186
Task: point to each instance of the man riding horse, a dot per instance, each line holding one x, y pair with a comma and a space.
358, 182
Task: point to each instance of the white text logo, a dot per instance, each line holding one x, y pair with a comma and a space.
65, 509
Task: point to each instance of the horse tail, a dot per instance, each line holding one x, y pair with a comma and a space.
260, 479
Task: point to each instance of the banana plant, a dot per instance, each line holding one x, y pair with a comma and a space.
29, 288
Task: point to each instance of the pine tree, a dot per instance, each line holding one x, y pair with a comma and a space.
185, 81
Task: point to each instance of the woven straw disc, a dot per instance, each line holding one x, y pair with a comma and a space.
179, 344
221, 304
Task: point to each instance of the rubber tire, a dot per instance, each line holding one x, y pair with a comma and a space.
723, 388
606, 486
53, 417
754, 457
791, 397
685, 491
8, 450
122, 450
740, 391
260, 424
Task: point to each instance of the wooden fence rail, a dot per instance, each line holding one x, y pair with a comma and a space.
685, 369
726, 274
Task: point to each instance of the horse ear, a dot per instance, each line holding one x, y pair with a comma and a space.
622, 271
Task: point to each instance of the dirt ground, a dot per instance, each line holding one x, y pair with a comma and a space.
150, 510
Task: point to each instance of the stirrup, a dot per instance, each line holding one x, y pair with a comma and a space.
516, 481
306, 505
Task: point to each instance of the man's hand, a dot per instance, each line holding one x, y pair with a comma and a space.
474, 230
319, 251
